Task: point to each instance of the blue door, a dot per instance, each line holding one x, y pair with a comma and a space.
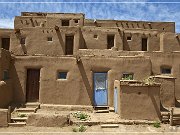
115, 100
100, 89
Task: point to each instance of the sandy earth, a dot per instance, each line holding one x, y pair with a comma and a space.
123, 129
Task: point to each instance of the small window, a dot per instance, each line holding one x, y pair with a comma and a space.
76, 21
23, 41
144, 44
49, 39
62, 75
127, 76
96, 36
129, 38
5, 75
166, 70
65, 22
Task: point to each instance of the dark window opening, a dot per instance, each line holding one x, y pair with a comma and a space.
96, 36
128, 38
62, 75
65, 22
76, 21
110, 41
127, 76
144, 44
69, 43
166, 70
5, 75
23, 41
5, 43
163, 29
49, 39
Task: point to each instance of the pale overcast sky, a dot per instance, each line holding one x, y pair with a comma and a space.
147, 10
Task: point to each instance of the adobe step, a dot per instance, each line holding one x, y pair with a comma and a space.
101, 111
32, 105
109, 126
17, 124
111, 109
26, 110
19, 119
101, 107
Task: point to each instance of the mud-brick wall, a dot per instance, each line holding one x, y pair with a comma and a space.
138, 102
78, 88
5, 85
169, 42
135, 44
36, 41
167, 90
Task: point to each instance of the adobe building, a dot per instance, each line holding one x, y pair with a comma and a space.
63, 58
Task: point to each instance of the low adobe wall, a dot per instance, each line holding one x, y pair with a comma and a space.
138, 101
167, 90
3, 117
6, 94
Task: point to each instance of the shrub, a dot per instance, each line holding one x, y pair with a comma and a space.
81, 115
157, 124
22, 115
80, 128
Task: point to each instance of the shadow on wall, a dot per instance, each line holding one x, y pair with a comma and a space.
177, 103
85, 80
60, 40
18, 94
155, 106
83, 43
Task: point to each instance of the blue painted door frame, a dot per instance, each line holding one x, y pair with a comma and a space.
115, 99
100, 88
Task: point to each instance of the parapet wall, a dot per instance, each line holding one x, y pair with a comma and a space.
138, 101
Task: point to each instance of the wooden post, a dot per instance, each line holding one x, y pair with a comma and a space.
9, 114
171, 116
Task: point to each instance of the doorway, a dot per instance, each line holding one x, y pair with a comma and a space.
100, 89
32, 85
69, 43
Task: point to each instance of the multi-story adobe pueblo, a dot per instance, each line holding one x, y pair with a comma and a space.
63, 58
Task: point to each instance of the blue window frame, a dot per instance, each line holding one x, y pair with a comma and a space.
62, 75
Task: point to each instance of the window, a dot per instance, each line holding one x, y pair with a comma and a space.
110, 41
144, 44
23, 41
5, 75
5, 43
127, 76
166, 70
129, 38
65, 22
49, 39
76, 21
96, 36
62, 75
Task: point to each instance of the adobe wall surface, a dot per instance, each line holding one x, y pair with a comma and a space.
160, 26
47, 20
5, 85
3, 117
138, 102
167, 90
78, 88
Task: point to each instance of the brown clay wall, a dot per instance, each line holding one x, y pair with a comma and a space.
170, 42
167, 90
36, 41
78, 88
160, 26
47, 20
5, 85
130, 105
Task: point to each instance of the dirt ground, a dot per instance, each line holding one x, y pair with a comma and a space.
122, 129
